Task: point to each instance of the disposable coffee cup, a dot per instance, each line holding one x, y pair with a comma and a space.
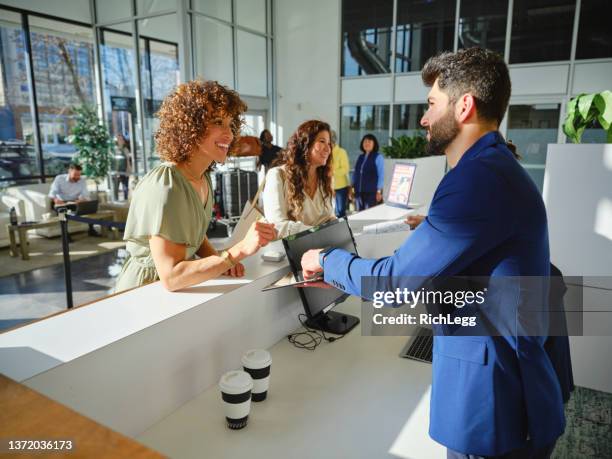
236, 394
256, 362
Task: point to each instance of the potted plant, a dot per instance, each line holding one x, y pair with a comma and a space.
406, 147
586, 111
92, 140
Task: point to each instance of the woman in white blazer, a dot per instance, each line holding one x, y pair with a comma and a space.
298, 193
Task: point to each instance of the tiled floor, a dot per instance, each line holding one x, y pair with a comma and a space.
42, 292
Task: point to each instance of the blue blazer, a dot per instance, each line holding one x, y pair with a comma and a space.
490, 394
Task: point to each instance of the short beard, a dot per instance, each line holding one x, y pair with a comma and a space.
442, 133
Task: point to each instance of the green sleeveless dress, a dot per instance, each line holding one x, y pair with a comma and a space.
164, 204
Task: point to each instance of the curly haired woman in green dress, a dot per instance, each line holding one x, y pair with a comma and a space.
172, 205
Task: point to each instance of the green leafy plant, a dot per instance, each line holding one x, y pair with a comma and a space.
585, 110
404, 147
93, 143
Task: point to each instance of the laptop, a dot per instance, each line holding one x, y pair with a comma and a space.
86, 207
402, 180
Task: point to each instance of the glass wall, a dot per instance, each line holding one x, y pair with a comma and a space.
159, 72
531, 128
119, 86
594, 30
423, 30
483, 23
366, 37
18, 158
407, 119
359, 120
63, 64
541, 30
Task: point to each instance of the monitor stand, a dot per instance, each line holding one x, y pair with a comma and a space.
333, 322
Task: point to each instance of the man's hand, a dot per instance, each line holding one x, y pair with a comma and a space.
378, 196
58, 202
414, 220
310, 263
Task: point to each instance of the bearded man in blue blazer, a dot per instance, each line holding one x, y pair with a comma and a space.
492, 396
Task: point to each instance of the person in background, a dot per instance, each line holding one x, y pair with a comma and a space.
269, 152
298, 194
124, 166
340, 164
369, 174
70, 188
172, 205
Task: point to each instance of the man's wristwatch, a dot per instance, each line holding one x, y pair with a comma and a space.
227, 257
322, 254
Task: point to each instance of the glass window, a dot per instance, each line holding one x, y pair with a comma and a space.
153, 6
221, 9
482, 23
594, 31
77, 10
251, 14
119, 89
407, 119
423, 30
541, 30
251, 64
366, 37
531, 128
18, 156
63, 64
159, 72
213, 50
359, 120
110, 10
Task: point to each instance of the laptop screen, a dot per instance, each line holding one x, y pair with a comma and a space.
338, 234
402, 179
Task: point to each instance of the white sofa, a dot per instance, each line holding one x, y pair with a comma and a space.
6, 202
36, 202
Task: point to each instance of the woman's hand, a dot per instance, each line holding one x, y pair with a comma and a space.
259, 235
414, 220
236, 271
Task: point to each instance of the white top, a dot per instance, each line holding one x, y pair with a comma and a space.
66, 190
315, 210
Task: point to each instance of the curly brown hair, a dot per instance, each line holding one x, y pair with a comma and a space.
186, 113
296, 160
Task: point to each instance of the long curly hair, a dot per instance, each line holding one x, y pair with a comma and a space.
297, 161
186, 113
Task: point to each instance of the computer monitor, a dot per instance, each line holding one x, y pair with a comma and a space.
318, 302
402, 179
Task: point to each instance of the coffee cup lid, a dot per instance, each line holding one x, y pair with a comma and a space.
235, 382
256, 359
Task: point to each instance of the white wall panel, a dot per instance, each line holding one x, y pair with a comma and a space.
375, 90
539, 80
410, 88
592, 77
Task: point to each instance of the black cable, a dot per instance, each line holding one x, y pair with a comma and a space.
311, 338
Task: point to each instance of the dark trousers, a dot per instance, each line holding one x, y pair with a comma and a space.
365, 200
528, 452
341, 201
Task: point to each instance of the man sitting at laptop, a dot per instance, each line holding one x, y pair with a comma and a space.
70, 188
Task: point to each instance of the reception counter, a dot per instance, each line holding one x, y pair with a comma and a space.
140, 362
